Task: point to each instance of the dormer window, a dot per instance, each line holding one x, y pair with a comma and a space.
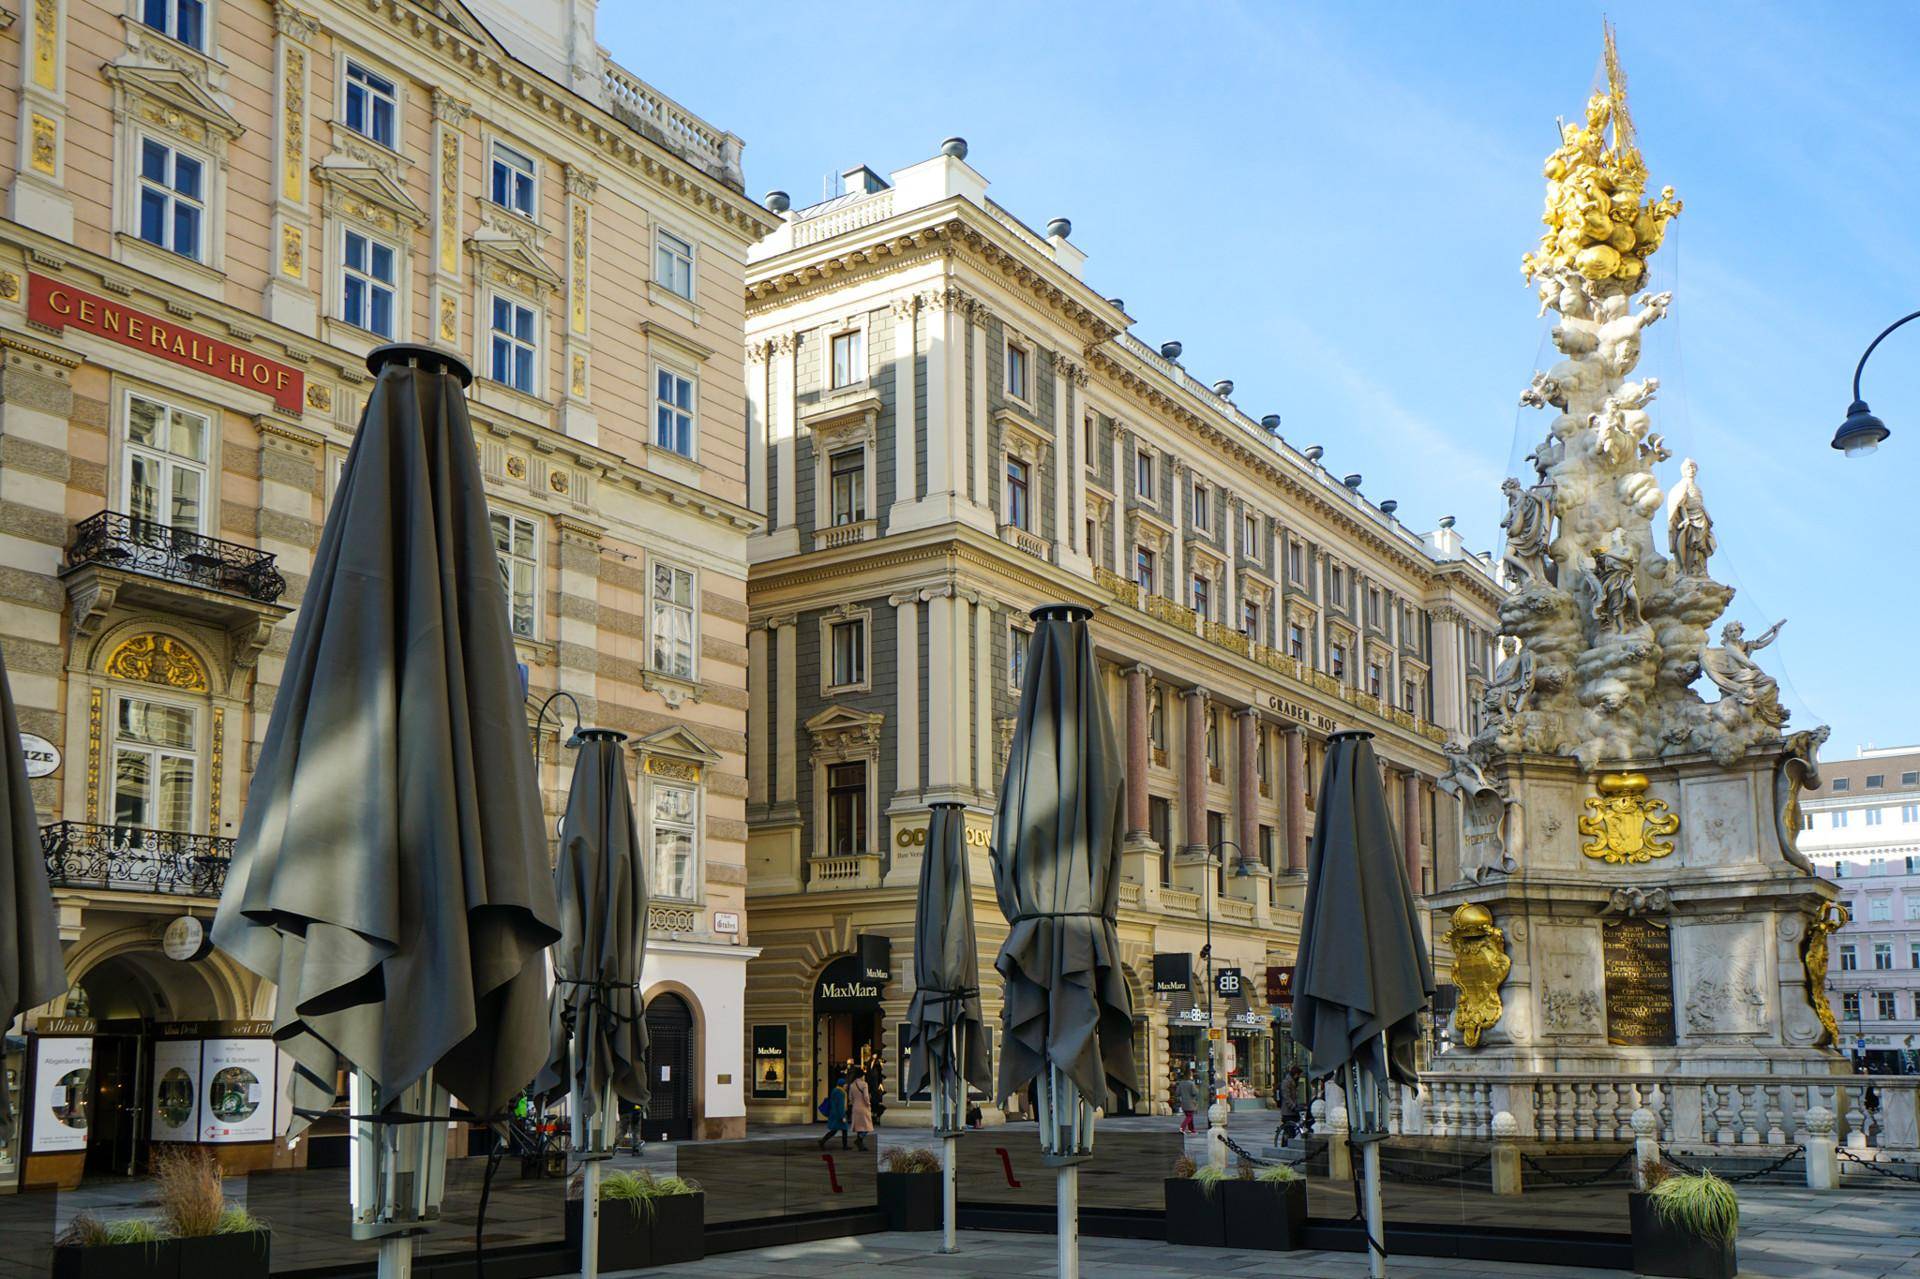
184, 20
373, 105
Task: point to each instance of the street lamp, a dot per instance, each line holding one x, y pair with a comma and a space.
1241, 869
1862, 432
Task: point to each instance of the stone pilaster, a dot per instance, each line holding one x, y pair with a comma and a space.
578, 631
36, 401
38, 195
782, 525
906, 692
984, 736
1193, 804
449, 119
289, 298
984, 481
786, 721
1410, 829
577, 418
1296, 800
756, 389
905, 408
757, 738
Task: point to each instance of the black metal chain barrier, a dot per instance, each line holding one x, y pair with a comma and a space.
1428, 1179
1252, 1158
1561, 1179
1874, 1166
1757, 1173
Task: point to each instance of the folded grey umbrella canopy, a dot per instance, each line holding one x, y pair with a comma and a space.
946, 964
1056, 870
391, 876
31, 970
601, 883
1363, 969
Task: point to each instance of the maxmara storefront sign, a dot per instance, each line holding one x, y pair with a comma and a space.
59, 305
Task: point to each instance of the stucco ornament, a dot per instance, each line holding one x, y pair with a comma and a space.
1480, 964
1625, 827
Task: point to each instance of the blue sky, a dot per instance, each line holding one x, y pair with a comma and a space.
1328, 204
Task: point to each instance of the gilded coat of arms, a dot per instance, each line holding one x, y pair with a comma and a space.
1625, 826
1480, 964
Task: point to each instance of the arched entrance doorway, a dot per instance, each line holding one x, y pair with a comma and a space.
670, 1037
846, 1022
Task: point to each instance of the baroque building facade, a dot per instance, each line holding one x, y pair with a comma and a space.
948, 426
215, 209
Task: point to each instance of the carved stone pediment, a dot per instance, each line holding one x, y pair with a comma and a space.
678, 743
367, 193
502, 223
506, 260
841, 730
1022, 436
176, 101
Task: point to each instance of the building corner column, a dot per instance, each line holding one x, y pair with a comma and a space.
1296, 801
1410, 830
906, 412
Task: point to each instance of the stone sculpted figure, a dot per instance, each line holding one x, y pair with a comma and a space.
1485, 852
1512, 688
1689, 528
1613, 599
1529, 526
1739, 678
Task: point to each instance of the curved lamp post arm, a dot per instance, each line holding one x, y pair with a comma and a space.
1905, 319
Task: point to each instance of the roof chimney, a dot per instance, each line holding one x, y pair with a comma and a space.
860, 180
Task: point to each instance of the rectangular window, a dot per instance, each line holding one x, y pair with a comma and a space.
1143, 475
1202, 596
155, 759
512, 180
1297, 642
673, 411
1913, 916
1143, 568
1250, 535
676, 834
1296, 562
1337, 661
1916, 1001
1910, 779
517, 541
1839, 818
1880, 910
1850, 1004
1883, 955
848, 478
367, 284
166, 466
1884, 1006
1873, 817
1910, 813
673, 263
514, 344
1160, 823
184, 20
1839, 868
173, 199
1876, 780
1016, 371
1094, 539
373, 104
1843, 783
1337, 582
672, 621
1913, 947
1373, 678
1018, 637
1200, 520
847, 808
1250, 620
1090, 449
1018, 473
849, 358
1409, 696
1849, 959
849, 645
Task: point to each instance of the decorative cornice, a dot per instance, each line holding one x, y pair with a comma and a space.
580, 183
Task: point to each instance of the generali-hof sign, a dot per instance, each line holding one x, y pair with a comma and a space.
59, 305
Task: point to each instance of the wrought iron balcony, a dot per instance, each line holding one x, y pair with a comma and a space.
135, 859
114, 541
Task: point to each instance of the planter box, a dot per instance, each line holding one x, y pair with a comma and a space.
1195, 1218
1265, 1215
911, 1200
679, 1228
118, 1261
1663, 1249
626, 1237
243, 1255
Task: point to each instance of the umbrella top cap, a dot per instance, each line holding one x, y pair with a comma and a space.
432, 358
600, 735
1357, 734
1062, 613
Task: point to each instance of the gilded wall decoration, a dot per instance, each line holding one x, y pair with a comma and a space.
579, 375
158, 659
516, 466
320, 396
294, 97
450, 201
372, 214
174, 121
449, 319
215, 782
292, 250
9, 286
1480, 964
95, 703
1625, 826
1832, 917
579, 251
46, 43
679, 770
45, 143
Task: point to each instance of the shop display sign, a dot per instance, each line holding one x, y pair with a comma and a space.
1172, 974
876, 957
186, 940
844, 987
769, 1062
43, 757
236, 1094
176, 1090
1280, 985
1227, 982
63, 1093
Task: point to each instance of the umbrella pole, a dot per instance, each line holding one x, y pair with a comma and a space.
1068, 1226
590, 1222
1376, 1226
949, 1207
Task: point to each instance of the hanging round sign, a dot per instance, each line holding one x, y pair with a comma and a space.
186, 940
43, 757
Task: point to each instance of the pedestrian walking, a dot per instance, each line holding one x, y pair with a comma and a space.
1186, 1095
834, 1110
860, 1108
877, 1087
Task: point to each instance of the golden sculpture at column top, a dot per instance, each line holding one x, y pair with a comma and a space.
1626, 827
1480, 964
1599, 221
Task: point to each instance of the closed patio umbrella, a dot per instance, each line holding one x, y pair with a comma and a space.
599, 1033
1056, 869
945, 1038
31, 970
1363, 975
391, 875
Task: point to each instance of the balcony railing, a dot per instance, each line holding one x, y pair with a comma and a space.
847, 870
835, 535
135, 859
655, 115
1015, 536
133, 545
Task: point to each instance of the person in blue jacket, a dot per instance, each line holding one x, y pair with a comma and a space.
834, 1108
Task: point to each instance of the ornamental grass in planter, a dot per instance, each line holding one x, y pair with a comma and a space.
199, 1232
1267, 1212
1684, 1225
645, 1221
909, 1190
1196, 1210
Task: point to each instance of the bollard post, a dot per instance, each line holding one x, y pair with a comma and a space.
1339, 1154
1646, 1144
1217, 1132
1823, 1152
1506, 1154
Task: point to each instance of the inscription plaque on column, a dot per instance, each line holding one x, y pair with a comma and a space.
1638, 955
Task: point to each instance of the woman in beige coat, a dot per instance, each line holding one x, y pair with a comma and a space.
860, 1106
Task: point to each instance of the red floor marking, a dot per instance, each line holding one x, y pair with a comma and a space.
1006, 1161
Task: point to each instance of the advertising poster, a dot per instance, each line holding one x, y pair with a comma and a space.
770, 1061
176, 1090
63, 1090
236, 1090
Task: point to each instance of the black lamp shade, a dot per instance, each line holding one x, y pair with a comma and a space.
1862, 432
